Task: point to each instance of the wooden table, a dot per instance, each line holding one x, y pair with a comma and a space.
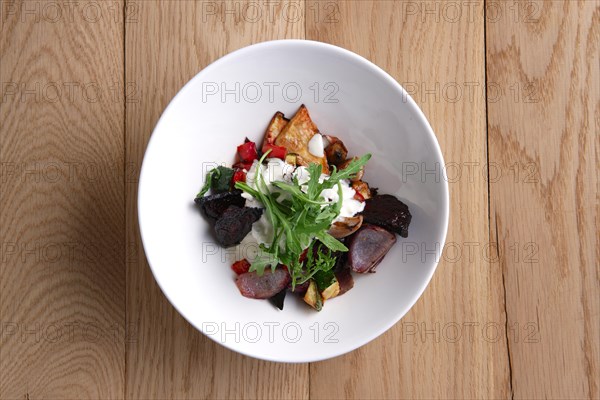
513, 309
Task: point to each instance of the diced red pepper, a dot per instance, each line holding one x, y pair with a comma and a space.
241, 267
276, 151
238, 176
247, 152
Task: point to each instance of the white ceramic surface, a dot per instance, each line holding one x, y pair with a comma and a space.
235, 97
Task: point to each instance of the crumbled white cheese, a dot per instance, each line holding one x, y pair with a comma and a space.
315, 145
278, 170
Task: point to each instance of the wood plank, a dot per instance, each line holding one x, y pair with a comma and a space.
62, 290
170, 43
451, 344
547, 54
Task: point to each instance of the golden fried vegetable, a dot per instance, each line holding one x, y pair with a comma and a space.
291, 159
295, 137
362, 188
346, 226
331, 291
278, 122
313, 297
335, 151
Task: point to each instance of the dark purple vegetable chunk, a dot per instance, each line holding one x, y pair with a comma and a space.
342, 273
278, 299
368, 246
345, 280
388, 212
265, 286
214, 206
235, 224
300, 289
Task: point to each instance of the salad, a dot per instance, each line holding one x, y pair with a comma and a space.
304, 202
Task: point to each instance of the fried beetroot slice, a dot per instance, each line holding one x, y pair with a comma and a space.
264, 286
235, 224
342, 272
388, 212
345, 280
214, 206
301, 288
368, 246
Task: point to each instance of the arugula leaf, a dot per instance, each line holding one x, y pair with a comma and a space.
301, 220
324, 279
313, 182
331, 242
263, 259
347, 173
297, 192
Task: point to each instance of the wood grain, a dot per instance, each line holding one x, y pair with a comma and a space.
170, 358
62, 277
514, 307
551, 133
440, 349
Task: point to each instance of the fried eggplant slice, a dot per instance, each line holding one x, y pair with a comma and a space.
295, 137
346, 226
335, 151
278, 122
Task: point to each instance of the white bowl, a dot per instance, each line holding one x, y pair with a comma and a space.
347, 96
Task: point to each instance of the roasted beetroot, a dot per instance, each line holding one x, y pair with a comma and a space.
214, 206
368, 246
345, 280
235, 224
343, 274
388, 212
264, 286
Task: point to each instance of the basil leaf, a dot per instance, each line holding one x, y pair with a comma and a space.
221, 181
